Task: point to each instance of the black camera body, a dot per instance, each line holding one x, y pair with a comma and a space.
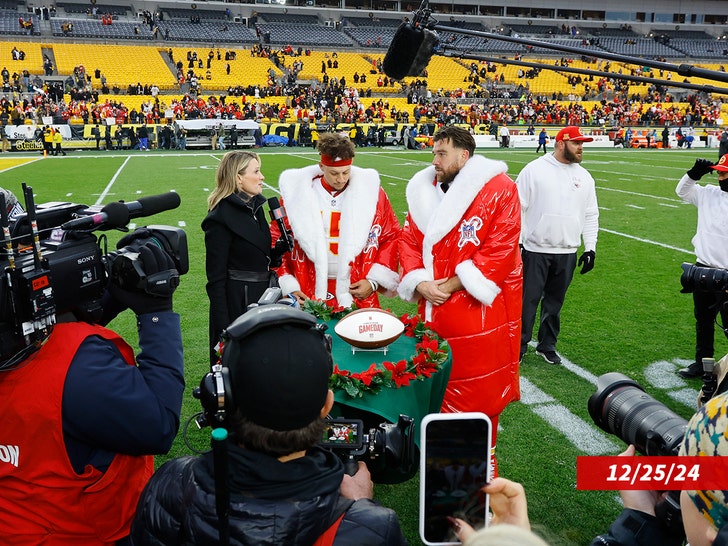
48, 271
126, 270
710, 279
388, 449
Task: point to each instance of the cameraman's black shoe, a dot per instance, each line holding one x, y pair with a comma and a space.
691, 372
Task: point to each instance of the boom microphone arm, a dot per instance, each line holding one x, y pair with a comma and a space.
682, 69
639, 79
413, 45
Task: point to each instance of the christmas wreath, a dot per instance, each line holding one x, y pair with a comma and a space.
430, 354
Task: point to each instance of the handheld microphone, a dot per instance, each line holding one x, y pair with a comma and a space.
278, 213
411, 49
117, 213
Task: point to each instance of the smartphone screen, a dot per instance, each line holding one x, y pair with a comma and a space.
454, 466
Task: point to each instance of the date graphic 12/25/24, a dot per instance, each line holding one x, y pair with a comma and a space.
659, 473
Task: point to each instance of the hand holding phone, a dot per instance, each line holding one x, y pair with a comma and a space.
455, 465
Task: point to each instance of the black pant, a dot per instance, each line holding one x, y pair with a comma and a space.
546, 277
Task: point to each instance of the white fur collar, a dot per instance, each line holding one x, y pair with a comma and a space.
436, 216
357, 214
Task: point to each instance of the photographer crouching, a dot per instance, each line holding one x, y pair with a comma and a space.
81, 418
268, 483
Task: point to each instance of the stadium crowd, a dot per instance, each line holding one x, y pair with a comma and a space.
338, 102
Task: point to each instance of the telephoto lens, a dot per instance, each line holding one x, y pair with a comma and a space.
621, 407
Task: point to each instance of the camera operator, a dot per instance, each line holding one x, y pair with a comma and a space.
711, 249
81, 421
283, 488
704, 513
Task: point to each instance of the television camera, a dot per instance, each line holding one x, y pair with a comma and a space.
53, 263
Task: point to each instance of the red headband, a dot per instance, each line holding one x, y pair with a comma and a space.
335, 162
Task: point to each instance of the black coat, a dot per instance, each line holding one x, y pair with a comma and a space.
271, 503
237, 237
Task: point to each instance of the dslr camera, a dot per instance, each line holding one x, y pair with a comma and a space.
388, 449
621, 407
52, 263
710, 279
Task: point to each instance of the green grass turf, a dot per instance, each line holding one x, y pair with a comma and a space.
624, 316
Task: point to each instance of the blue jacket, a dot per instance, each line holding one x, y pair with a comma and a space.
110, 407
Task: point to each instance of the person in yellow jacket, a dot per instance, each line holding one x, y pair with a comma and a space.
57, 140
48, 140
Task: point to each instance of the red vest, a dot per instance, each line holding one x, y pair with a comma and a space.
43, 500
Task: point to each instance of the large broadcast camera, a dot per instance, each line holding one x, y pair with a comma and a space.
53, 264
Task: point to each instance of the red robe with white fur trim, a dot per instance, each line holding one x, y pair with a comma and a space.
367, 239
472, 232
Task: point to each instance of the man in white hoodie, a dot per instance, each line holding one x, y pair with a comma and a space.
344, 229
558, 210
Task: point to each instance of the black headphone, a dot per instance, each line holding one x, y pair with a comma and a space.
215, 391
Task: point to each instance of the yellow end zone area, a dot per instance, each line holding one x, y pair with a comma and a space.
8, 160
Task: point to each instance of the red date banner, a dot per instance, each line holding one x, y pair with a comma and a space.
659, 473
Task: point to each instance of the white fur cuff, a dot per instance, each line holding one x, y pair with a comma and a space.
289, 284
384, 276
481, 288
409, 282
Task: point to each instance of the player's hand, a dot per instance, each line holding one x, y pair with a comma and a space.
300, 297
361, 289
430, 290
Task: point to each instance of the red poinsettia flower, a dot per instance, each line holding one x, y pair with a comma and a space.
367, 376
339, 371
400, 375
410, 323
423, 366
428, 344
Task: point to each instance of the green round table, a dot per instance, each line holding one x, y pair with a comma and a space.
416, 400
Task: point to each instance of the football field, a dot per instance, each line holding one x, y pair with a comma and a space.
627, 315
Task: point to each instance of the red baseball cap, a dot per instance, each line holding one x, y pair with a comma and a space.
572, 133
722, 165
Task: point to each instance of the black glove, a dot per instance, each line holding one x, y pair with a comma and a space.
586, 261
161, 274
277, 252
701, 168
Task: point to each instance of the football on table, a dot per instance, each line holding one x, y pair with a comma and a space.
369, 328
